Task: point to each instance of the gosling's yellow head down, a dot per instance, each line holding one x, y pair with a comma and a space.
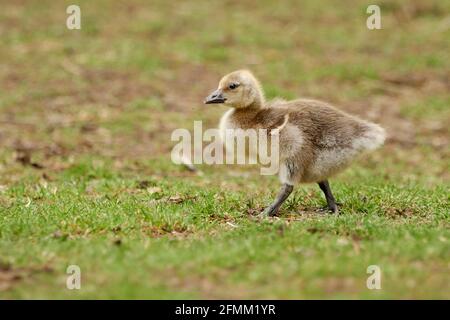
239, 89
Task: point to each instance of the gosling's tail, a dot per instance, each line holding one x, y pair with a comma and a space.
371, 139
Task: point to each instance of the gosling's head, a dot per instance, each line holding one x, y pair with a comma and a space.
239, 89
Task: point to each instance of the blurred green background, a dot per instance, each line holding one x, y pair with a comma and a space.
85, 172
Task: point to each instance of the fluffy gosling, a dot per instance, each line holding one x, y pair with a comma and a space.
316, 140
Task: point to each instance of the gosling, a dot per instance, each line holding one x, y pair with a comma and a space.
316, 140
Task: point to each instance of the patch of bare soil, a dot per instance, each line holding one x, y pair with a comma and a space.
187, 86
175, 231
340, 285
10, 276
410, 10
36, 128
96, 97
384, 108
214, 286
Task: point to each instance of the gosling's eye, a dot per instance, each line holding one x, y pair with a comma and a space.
233, 86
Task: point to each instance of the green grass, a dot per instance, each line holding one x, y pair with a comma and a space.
94, 110
208, 246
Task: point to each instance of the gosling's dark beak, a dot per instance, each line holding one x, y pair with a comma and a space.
215, 97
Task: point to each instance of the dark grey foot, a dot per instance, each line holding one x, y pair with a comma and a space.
284, 193
327, 209
270, 211
331, 202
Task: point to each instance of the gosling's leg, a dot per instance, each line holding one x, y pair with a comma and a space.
331, 202
284, 193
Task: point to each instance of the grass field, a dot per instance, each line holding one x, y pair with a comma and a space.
85, 172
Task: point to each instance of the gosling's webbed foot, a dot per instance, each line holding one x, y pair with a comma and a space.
334, 209
330, 210
272, 210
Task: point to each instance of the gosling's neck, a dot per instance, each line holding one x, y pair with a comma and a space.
256, 105
245, 115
